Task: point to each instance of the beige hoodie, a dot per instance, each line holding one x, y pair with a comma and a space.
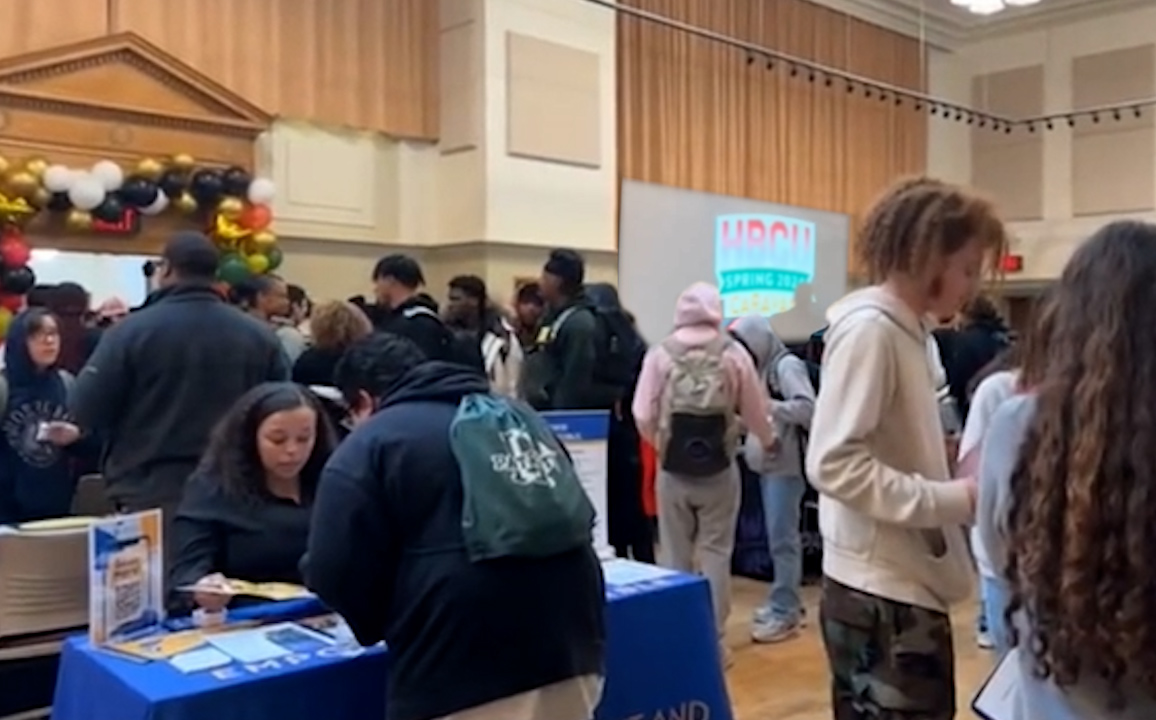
892, 523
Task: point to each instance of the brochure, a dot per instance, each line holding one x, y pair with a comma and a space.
269, 642
275, 591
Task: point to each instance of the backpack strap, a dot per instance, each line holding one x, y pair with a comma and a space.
412, 312
556, 326
69, 381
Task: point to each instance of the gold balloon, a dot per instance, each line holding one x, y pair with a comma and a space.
4, 165
183, 161
257, 264
78, 220
149, 168
21, 184
5, 321
185, 203
36, 166
231, 208
263, 240
40, 198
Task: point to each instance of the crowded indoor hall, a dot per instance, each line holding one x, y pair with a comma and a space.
577, 359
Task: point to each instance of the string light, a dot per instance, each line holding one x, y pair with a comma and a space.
872, 88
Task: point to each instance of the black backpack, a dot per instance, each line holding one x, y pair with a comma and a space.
616, 350
464, 349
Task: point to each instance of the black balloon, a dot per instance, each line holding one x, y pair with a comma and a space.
59, 202
17, 281
139, 192
173, 182
236, 181
111, 210
207, 186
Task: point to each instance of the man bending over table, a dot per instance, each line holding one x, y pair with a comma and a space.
512, 638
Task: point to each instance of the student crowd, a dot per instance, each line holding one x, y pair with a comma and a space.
348, 479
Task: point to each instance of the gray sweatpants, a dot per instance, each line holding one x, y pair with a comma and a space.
700, 514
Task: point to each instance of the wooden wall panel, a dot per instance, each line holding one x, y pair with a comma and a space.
694, 114
366, 64
31, 25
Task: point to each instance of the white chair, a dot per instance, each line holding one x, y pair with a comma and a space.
43, 580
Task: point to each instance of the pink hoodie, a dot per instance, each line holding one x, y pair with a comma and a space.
697, 320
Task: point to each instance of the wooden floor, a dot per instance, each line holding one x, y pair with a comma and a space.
788, 681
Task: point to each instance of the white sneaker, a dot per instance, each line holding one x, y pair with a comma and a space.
764, 616
774, 631
984, 641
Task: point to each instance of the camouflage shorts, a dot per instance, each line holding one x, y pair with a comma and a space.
889, 660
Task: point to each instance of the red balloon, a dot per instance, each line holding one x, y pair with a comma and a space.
256, 217
11, 303
14, 252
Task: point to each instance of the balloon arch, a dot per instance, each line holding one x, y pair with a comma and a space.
232, 207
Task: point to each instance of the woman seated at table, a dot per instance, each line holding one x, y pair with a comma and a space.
245, 512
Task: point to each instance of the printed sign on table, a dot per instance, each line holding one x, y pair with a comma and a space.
125, 577
584, 434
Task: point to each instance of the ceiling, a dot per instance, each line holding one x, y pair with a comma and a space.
947, 26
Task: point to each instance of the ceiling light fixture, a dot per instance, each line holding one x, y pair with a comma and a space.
991, 7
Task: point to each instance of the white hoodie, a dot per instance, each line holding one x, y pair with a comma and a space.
891, 525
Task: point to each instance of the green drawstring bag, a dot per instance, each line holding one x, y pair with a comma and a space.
522, 496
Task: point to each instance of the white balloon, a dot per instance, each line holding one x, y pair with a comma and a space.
109, 174
86, 193
158, 206
57, 178
262, 191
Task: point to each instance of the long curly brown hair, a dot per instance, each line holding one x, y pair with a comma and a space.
1082, 522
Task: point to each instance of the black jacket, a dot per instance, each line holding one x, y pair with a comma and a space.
316, 366
416, 320
558, 373
386, 552
967, 351
162, 378
260, 539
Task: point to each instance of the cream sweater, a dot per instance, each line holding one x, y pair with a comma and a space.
892, 523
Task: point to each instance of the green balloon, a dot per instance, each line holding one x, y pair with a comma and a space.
232, 270
275, 257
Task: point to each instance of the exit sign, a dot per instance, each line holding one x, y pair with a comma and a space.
1011, 263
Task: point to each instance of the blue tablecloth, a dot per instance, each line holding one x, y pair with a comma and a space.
662, 661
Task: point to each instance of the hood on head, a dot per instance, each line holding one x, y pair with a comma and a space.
437, 381
18, 365
699, 306
755, 332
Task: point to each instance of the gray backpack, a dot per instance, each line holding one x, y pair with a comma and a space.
68, 378
697, 425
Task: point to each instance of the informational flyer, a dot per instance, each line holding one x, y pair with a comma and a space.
584, 434
125, 577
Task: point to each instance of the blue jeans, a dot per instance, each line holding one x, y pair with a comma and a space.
994, 596
782, 500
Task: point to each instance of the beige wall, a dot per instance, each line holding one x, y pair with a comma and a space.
1056, 185
526, 162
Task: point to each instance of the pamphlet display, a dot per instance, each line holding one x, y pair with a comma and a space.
125, 577
584, 434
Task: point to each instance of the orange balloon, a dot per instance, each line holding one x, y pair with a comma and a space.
256, 217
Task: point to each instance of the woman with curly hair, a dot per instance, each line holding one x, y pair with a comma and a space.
335, 326
1067, 503
245, 512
